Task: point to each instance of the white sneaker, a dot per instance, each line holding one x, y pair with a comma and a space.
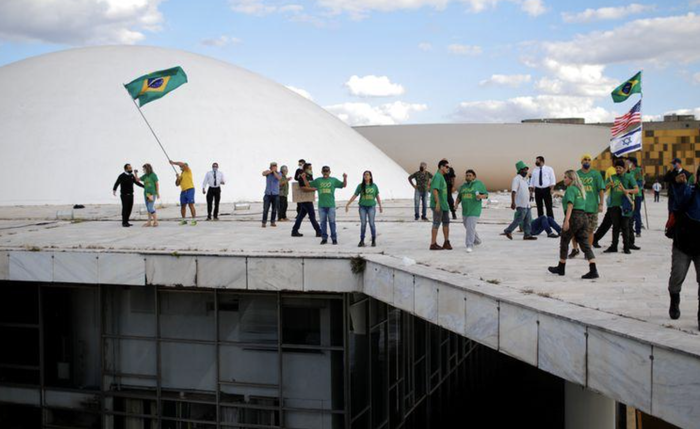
469, 250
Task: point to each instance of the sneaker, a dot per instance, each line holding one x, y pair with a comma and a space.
324, 241
529, 237
193, 223
435, 247
361, 244
183, 222
573, 253
335, 242
507, 234
553, 235
446, 245
469, 250
297, 234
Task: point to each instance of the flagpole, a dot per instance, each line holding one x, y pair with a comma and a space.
644, 199
151, 128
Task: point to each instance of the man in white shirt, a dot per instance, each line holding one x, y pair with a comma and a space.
520, 202
543, 181
213, 179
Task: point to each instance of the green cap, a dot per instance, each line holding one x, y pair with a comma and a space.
520, 165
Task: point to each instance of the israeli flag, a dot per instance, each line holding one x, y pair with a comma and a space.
626, 143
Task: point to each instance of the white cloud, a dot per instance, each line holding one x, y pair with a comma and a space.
575, 79
540, 106
606, 13
457, 49
654, 40
221, 41
304, 93
695, 111
365, 114
373, 86
512, 80
252, 7
79, 22
533, 7
425, 46
696, 77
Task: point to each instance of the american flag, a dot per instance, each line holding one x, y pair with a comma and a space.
634, 116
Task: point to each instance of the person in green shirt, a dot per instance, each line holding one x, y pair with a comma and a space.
575, 225
440, 207
326, 186
470, 195
595, 195
151, 191
621, 186
284, 193
369, 198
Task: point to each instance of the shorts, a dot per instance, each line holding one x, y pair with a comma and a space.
442, 217
592, 223
150, 205
187, 197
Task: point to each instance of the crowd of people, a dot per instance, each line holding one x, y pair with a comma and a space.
586, 194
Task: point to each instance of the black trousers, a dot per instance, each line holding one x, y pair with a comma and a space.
544, 195
604, 226
621, 224
283, 208
127, 206
213, 196
451, 203
304, 210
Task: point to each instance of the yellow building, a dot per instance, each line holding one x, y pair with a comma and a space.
677, 136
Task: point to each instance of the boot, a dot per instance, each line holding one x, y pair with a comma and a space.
592, 272
559, 269
374, 242
674, 311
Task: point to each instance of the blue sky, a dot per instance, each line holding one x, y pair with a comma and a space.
406, 61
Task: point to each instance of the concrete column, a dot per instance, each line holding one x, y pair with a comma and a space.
585, 409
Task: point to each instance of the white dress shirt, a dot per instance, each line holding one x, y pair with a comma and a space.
522, 191
548, 178
213, 179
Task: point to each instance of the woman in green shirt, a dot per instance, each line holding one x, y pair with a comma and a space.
575, 225
151, 192
369, 198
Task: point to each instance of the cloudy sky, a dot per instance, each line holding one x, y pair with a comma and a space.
406, 61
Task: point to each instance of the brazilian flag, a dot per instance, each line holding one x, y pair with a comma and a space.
155, 85
632, 86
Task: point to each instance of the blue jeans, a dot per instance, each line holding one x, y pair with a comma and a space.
270, 200
544, 223
327, 215
367, 213
522, 215
638, 201
418, 197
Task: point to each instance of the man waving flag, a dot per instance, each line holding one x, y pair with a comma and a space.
155, 85
632, 86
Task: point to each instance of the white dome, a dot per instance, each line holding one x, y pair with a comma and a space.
67, 126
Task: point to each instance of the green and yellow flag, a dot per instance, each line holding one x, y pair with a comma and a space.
155, 85
632, 86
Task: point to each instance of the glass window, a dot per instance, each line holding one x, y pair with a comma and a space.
248, 364
188, 366
129, 310
312, 380
301, 321
248, 318
130, 356
379, 374
187, 315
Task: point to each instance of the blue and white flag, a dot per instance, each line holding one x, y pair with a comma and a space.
626, 143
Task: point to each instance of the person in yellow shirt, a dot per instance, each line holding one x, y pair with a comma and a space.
186, 183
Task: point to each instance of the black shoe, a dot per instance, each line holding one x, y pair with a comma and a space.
361, 244
208, 217
126, 225
297, 234
553, 235
638, 235
324, 241
633, 247
674, 310
319, 235
592, 273
610, 250
335, 241
424, 218
454, 215
573, 253
374, 242
627, 251
529, 237
559, 269
596, 245
417, 218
